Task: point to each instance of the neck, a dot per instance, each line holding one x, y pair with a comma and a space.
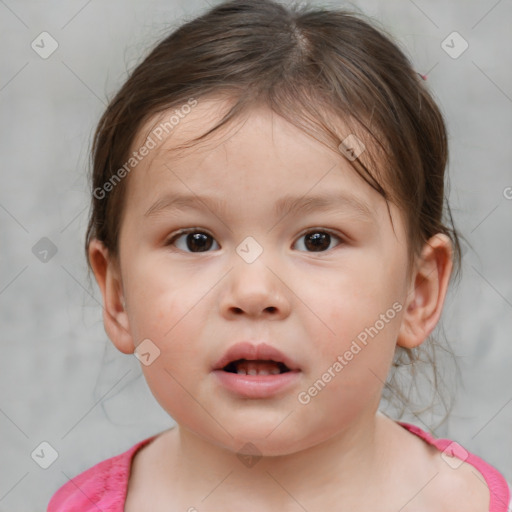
339, 467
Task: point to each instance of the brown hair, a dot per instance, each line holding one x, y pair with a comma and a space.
313, 66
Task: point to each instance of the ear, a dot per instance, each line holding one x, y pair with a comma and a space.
428, 287
115, 318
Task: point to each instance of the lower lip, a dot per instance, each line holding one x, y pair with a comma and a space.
257, 386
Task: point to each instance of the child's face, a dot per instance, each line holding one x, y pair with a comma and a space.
311, 305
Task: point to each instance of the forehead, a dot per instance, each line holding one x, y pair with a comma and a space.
175, 127
258, 157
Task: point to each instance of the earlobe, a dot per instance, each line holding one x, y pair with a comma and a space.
429, 285
115, 318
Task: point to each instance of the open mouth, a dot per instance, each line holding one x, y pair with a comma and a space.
257, 367
256, 371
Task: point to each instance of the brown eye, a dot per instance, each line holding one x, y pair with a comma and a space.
192, 241
318, 240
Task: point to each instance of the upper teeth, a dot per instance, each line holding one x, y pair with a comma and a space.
249, 368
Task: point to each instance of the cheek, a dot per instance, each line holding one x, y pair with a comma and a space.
345, 304
163, 301
171, 323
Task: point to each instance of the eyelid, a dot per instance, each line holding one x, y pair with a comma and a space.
189, 230
323, 230
185, 231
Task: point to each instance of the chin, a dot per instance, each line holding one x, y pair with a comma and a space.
262, 441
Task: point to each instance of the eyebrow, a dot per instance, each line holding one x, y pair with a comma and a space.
284, 206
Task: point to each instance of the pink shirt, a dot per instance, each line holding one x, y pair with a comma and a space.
105, 485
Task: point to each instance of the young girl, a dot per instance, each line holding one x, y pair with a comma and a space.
267, 233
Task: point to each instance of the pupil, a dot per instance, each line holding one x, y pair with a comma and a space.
198, 241
318, 241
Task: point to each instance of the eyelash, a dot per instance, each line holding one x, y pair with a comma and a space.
187, 231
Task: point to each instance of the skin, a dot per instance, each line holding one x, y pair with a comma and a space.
310, 305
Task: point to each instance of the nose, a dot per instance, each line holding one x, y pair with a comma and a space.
257, 291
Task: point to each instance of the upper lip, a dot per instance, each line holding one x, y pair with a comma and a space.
250, 351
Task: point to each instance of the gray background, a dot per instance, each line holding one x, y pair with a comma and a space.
62, 380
